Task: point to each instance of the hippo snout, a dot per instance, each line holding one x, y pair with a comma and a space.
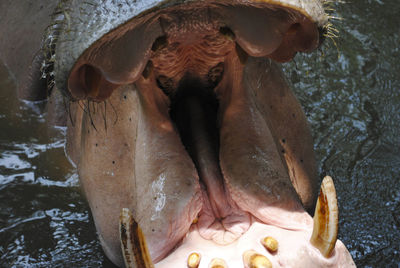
190, 146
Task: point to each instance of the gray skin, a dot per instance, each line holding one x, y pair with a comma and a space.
21, 34
127, 149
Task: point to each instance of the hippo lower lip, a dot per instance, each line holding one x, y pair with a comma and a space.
196, 132
250, 250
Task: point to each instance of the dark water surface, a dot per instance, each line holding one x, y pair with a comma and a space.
44, 219
351, 95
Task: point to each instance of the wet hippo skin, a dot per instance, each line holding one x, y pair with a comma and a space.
21, 34
180, 113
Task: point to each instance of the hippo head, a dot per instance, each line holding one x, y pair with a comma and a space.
190, 146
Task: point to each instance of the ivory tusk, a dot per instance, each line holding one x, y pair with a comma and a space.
133, 242
326, 219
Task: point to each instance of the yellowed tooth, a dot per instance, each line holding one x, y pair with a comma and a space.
218, 263
133, 242
252, 259
326, 219
270, 244
193, 260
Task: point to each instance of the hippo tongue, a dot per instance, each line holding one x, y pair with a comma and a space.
195, 112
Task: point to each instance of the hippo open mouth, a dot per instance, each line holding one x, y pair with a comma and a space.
208, 147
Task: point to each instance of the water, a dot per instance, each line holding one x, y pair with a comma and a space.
354, 106
44, 219
351, 95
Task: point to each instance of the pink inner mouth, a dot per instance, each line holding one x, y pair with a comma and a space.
220, 219
225, 210
289, 243
203, 110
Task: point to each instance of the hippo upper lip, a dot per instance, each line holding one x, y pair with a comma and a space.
258, 29
67, 29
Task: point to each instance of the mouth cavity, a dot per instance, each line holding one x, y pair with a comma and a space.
223, 233
194, 110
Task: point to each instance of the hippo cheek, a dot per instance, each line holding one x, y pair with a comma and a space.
183, 119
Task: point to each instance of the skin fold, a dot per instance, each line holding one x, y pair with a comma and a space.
179, 112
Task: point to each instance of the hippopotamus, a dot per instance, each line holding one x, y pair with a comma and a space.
190, 146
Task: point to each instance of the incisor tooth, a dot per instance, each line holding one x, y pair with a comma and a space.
270, 244
218, 263
326, 219
193, 260
252, 259
133, 242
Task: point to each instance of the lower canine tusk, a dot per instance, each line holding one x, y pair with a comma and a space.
133, 242
326, 219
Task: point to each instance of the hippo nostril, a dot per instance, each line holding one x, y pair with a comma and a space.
252, 259
87, 82
86, 79
193, 260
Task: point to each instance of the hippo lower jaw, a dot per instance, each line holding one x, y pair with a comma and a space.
262, 245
